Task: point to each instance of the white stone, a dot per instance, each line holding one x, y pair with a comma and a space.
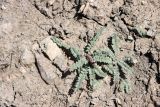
27, 57
135, 60
143, 2
3, 7
50, 48
50, 2
150, 33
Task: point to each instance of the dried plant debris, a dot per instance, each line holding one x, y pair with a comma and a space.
94, 66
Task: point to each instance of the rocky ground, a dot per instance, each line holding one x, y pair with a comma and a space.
32, 66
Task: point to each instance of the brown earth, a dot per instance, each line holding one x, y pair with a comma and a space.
23, 23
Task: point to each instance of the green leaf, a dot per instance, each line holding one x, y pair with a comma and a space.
110, 54
59, 43
125, 67
125, 86
105, 52
75, 53
116, 76
102, 59
115, 41
92, 78
78, 64
93, 41
81, 77
109, 69
99, 72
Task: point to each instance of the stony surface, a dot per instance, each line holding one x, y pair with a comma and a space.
24, 22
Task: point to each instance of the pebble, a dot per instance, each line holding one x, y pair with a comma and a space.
135, 60
50, 48
3, 7
127, 20
50, 2
150, 33
46, 69
143, 45
22, 70
143, 2
130, 38
27, 57
61, 62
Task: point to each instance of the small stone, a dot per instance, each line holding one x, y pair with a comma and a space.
118, 101
50, 48
91, 1
46, 69
143, 45
127, 20
22, 70
52, 31
130, 38
143, 2
27, 57
116, 18
150, 33
107, 80
61, 62
3, 7
50, 2
135, 60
